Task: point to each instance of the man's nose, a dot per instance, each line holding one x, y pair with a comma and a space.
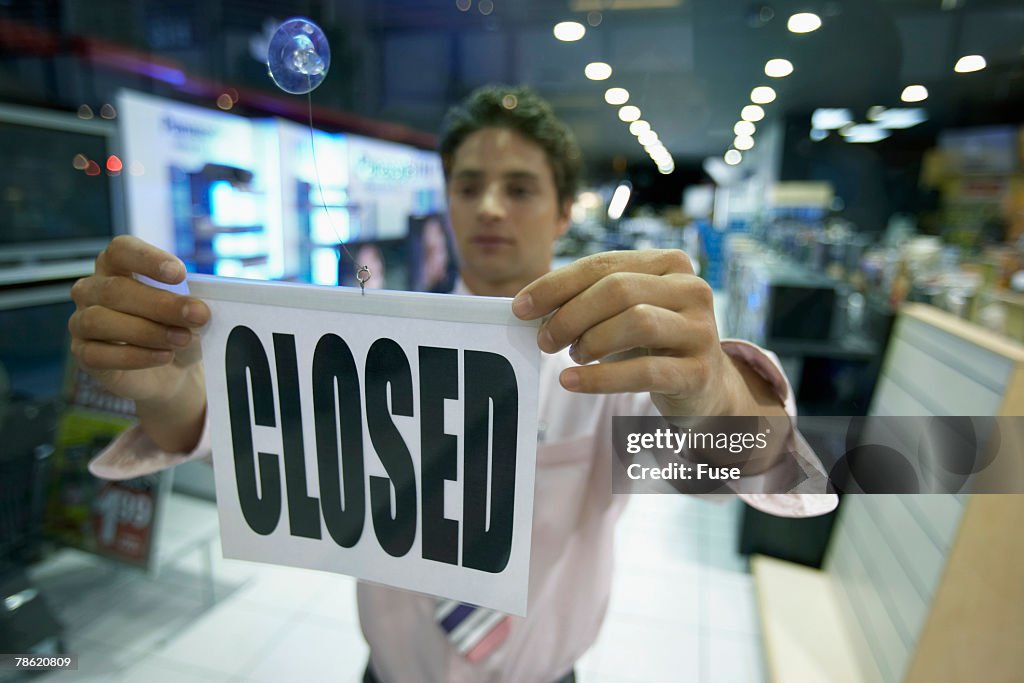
491, 206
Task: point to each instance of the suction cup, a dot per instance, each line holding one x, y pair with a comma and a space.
298, 56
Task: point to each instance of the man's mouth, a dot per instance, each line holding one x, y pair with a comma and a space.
491, 241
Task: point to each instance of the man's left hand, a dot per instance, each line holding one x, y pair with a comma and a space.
651, 305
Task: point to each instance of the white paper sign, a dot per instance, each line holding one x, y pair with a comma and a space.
389, 436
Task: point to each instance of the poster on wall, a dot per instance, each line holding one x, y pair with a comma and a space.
203, 184
433, 260
391, 182
390, 436
114, 519
264, 198
316, 210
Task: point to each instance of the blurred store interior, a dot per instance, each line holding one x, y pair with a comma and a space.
847, 174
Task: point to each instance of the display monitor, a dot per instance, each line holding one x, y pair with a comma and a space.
59, 185
388, 261
433, 265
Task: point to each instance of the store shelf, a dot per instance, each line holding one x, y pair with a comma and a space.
805, 638
938, 364
23, 297
850, 346
38, 272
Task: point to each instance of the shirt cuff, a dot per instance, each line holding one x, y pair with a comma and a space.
133, 454
766, 364
808, 498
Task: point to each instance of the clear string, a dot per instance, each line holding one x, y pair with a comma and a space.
363, 273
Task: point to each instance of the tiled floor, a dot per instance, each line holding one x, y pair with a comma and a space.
682, 609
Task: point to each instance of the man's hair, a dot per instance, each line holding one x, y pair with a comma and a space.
522, 110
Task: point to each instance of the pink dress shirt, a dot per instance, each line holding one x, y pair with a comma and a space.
571, 559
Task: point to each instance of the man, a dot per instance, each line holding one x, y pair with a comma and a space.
512, 171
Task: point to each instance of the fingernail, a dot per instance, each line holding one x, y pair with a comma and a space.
574, 353
163, 356
570, 379
522, 305
193, 314
179, 337
545, 341
170, 270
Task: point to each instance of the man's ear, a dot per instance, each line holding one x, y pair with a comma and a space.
564, 216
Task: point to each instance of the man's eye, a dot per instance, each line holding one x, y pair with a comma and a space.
467, 190
519, 192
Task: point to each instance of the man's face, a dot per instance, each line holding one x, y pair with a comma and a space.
504, 211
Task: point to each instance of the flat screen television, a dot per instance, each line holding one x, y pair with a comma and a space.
59, 185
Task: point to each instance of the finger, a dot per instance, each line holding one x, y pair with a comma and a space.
550, 291
99, 355
130, 296
128, 254
617, 293
97, 323
659, 330
658, 374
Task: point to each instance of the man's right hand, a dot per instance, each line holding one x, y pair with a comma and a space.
140, 342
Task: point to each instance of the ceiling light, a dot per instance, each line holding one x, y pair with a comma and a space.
817, 134
744, 128
619, 200
569, 31
970, 63
616, 96
804, 22
589, 200
831, 119
733, 157
598, 71
914, 93
866, 132
778, 68
648, 138
743, 142
629, 113
762, 94
876, 112
752, 112
901, 118
638, 127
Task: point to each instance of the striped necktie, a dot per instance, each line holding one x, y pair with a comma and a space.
475, 632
